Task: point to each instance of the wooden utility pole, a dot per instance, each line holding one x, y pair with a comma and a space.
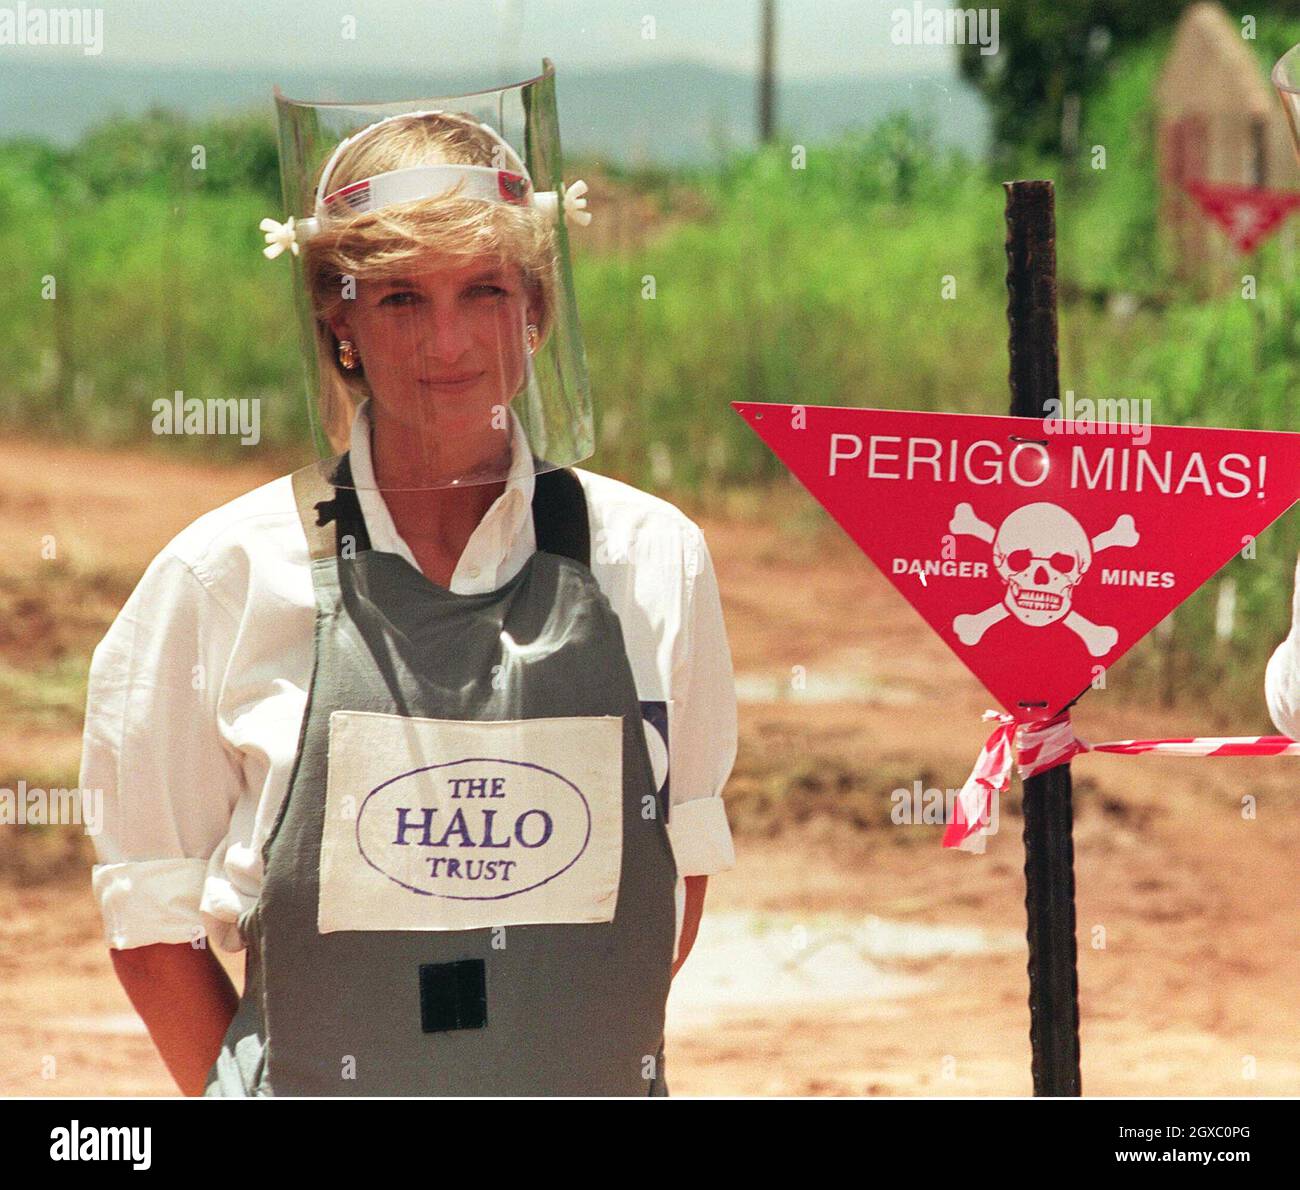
767, 76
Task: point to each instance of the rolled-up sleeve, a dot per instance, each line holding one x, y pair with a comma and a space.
1282, 687
153, 753
1282, 674
702, 730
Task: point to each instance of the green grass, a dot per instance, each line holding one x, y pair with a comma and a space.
813, 285
52, 697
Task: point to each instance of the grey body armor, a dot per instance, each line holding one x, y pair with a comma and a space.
568, 1007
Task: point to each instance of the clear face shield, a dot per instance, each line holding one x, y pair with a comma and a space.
1286, 81
433, 286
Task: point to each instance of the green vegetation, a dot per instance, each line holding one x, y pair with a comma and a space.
821, 284
1047, 52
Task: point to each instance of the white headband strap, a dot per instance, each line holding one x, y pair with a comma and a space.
422, 181
322, 187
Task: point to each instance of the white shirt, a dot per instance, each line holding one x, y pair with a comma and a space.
1282, 675
197, 692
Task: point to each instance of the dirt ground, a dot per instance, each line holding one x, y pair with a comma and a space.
844, 955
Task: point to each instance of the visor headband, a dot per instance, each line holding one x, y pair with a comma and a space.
483, 182
422, 181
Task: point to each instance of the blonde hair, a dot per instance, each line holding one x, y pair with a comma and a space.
383, 243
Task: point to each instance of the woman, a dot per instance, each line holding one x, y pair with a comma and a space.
396, 724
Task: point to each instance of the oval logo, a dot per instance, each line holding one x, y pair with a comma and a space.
476, 829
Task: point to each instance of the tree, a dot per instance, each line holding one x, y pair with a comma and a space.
1051, 49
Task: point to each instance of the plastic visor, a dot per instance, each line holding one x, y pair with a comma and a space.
466, 367
1286, 81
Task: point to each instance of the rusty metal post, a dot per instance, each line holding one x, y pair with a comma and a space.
1049, 842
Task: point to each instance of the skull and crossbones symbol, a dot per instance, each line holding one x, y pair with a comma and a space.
1040, 552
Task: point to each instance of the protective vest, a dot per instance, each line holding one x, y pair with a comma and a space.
469, 888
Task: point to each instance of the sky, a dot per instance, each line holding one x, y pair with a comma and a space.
815, 38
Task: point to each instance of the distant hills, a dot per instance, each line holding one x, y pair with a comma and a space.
676, 114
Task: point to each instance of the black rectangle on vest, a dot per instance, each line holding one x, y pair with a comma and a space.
453, 996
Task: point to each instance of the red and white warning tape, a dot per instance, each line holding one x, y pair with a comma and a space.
1042, 744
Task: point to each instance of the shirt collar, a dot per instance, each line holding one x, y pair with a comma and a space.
504, 519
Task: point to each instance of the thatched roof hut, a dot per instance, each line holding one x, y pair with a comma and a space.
1217, 119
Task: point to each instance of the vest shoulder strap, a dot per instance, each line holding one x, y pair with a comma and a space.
560, 515
310, 491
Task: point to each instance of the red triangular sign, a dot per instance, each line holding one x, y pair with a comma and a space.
1039, 550
1247, 214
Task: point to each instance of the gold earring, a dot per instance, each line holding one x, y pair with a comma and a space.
533, 336
348, 357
